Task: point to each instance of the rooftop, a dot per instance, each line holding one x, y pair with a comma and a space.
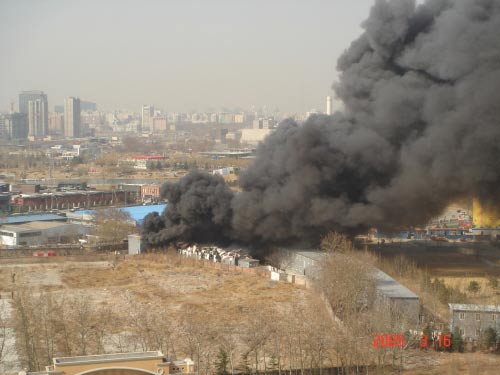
18, 219
137, 213
34, 225
472, 307
390, 287
108, 358
315, 255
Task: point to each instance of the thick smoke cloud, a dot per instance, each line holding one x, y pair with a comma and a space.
421, 128
199, 208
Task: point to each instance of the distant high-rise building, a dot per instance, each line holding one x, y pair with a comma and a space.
38, 118
56, 123
88, 106
72, 117
159, 124
148, 112
225, 118
328, 105
14, 126
264, 123
27, 96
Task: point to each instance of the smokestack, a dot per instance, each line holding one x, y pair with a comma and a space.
328, 105
421, 129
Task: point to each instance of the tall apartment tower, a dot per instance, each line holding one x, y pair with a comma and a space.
328, 105
26, 96
38, 118
72, 117
148, 112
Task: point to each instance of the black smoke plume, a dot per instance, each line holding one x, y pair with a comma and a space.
199, 207
420, 128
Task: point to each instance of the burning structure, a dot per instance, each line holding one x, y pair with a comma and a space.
420, 130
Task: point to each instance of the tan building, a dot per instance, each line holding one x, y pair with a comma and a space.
56, 123
151, 192
154, 363
160, 124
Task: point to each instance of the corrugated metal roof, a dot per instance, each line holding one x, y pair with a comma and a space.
472, 307
18, 219
317, 256
391, 288
137, 213
34, 225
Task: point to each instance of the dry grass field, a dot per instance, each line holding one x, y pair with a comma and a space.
464, 363
175, 285
168, 283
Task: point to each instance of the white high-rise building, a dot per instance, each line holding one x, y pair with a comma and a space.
328, 105
72, 117
38, 118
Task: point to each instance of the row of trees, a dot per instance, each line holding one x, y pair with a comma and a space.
269, 338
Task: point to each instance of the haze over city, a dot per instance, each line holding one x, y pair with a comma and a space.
180, 55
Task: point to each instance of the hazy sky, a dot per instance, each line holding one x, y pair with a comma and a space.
180, 55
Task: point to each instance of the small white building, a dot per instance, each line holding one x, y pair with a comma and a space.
40, 233
134, 244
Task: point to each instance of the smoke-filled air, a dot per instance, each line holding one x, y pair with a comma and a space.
420, 129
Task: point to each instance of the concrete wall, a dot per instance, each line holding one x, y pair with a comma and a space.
134, 244
469, 324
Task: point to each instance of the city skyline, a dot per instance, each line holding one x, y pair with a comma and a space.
222, 54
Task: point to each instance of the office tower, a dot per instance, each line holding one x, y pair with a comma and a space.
328, 105
14, 126
27, 96
38, 118
72, 117
148, 112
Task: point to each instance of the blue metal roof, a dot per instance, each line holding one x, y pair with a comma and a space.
137, 213
18, 219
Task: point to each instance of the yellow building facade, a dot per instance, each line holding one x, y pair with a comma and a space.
154, 363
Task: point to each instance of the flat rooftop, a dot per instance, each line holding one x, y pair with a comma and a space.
101, 358
472, 307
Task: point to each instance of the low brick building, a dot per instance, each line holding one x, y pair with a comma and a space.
150, 192
67, 200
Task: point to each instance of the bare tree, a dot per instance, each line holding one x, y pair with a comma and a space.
112, 225
3, 333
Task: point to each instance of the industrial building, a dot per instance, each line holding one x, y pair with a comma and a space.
306, 263
28, 218
40, 233
66, 200
137, 214
254, 136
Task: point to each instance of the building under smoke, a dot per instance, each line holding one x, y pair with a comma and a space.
421, 129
